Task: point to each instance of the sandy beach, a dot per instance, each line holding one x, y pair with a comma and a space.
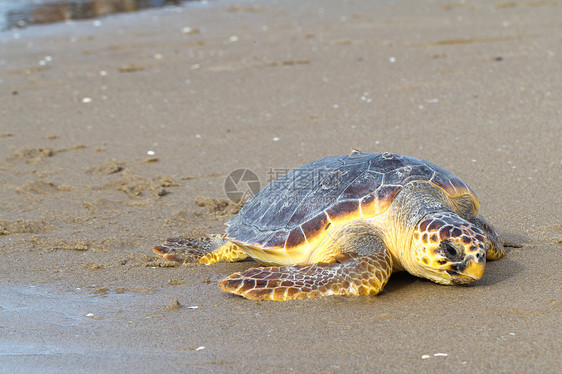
118, 133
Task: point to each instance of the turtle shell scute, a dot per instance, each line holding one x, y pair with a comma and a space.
300, 203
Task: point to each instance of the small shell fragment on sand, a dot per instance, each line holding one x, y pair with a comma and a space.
199, 348
189, 30
425, 357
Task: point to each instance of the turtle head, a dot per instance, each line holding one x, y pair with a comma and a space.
448, 249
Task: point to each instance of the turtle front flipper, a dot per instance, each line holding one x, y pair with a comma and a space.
353, 260
496, 250
356, 262
205, 250
349, 274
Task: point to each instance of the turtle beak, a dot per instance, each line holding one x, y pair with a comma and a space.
474, 270
470, 270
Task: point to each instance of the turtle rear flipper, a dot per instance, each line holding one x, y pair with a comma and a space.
206, 250
349, 274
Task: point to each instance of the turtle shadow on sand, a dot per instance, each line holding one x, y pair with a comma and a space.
399, 281
500, 271
496, 272
513, 240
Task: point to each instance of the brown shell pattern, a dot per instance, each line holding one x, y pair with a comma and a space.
304, 203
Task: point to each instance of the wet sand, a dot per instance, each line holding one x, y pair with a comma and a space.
114, 137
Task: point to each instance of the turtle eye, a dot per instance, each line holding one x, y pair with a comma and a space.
448, 250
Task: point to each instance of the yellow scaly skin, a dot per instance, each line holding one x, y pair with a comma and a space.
228, 252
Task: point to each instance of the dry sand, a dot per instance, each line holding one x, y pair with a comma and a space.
474, 87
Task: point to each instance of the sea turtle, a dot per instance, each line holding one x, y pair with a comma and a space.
341, 225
